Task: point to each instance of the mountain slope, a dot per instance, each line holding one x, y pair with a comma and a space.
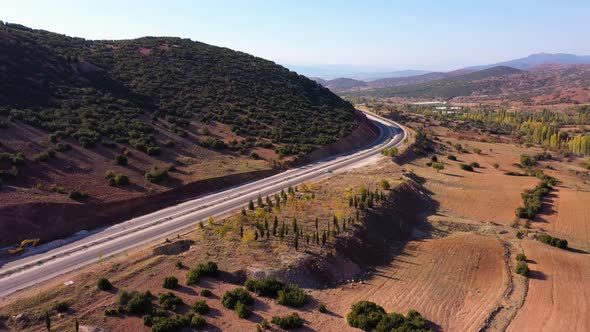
94, 132
460, 85
540, 59
172, 79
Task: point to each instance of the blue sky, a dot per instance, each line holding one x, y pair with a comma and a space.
417, 34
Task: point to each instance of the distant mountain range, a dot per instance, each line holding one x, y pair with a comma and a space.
542, 74
329, 72
534, 60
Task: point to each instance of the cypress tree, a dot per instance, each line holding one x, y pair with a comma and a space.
47, 321
324, 238
241, 232
316, 223
260, 204
251, 205
295, 225
243, 211
296, 241
275, 224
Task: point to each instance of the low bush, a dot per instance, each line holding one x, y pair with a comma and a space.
175, 323
412, 322
198, 322
452, 157
121, 160
288, 322
104, 284
200, 307
553, 241
292, 296
268, 287
136, 302
209, 269
170, 301
205, 292
232, 297
365, 315
170, 282
533, 200
474, 164
156, 175
242, 310
77, 194
322, 308
522, 268
62, 147
61, 307
111, 312
521, 257
466, 167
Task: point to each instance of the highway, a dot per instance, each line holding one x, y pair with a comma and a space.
174, 220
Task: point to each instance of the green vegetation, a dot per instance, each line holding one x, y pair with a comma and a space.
200, 307
156, 174
61, 307
121, 160
104, 284
170, 301
533, 199
365, 315
288, 322
292, 296
552, 241
451, 157
231, 298
466, 167
369, 316
268, 286
384, 184
521, 257
474, 164
100, 91
391, 152
322, 308
136, 302
201, 270
170, 282
522, 268
115, 179
438, 166
77, 194
205, 292
243, 310
174, 323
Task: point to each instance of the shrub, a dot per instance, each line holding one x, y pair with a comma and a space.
198, 322
477, 150
119, 180
156, 174
171, 324
178, 265
61, 307
121, 160
552, 241
104, 284
170, 301
288, 322
365, 315
465, 167
205, 292
52, 138
170, 282
231, 298
385, 184
153, 151
77, 194
322, 308
474, 164
268, 287
200, 307
390, 322
452, 157
522, 268
242, 310
139, 303
292, 296
209, 269
111, 312
62, 147
438, 166
397, 322
521, 257
496, 165
169, 143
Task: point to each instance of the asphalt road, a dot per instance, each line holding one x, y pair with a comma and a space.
169, 222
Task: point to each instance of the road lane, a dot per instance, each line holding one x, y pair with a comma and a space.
174, 220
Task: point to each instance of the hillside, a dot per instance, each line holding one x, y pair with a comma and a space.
539, 59
461, 85
84, 123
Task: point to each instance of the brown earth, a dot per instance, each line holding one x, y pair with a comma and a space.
559, 290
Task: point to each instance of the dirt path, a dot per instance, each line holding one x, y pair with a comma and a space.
514, 294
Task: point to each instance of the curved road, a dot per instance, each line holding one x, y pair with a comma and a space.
28, 271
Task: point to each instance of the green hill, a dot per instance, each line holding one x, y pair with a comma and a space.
115, 91
462, 85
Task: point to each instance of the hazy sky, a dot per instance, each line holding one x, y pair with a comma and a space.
433, 35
